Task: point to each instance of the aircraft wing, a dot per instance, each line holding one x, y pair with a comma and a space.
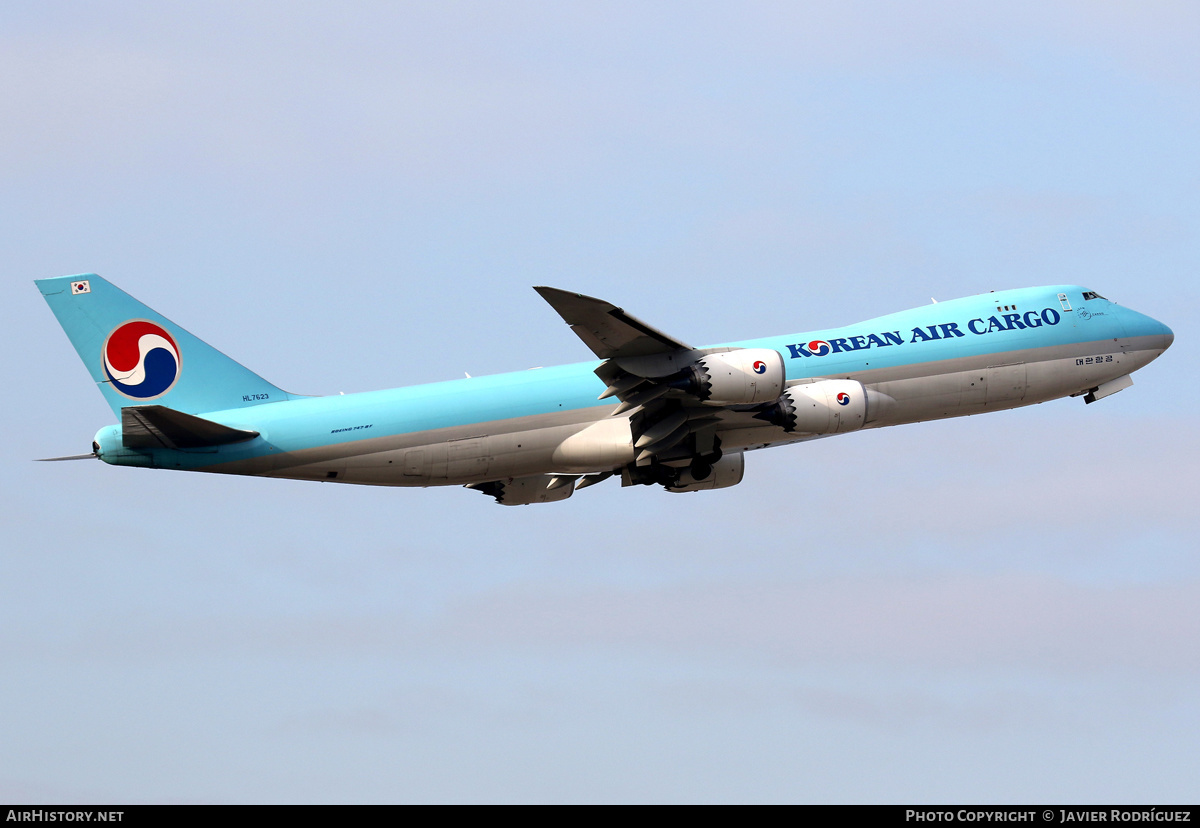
607, 329
653, 376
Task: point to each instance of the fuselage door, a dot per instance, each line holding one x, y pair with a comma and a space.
468, 458
1005, 383
414, 464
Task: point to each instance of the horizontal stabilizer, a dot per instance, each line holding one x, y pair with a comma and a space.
156, 426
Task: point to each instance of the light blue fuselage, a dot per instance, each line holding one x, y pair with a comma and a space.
988, 352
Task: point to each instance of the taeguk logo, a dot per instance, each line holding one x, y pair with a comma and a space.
760, 367
141, 360
843, 398
818, 347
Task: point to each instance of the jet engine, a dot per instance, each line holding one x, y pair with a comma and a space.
822, 407
521, 491
725, 472
741, 377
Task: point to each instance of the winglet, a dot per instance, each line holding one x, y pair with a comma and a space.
606, 329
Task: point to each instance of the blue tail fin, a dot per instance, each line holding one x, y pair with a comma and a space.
137, 356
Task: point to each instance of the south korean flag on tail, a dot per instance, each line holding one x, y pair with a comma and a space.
81, 287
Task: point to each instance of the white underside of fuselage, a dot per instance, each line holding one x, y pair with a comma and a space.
592, 440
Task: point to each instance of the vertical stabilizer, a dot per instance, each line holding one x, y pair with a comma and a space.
137, 356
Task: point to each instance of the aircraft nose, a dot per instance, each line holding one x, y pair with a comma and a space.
1157, 335
1165, 335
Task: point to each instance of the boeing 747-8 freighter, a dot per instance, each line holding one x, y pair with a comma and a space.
652, 410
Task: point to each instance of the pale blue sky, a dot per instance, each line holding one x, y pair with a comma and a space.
1003, 608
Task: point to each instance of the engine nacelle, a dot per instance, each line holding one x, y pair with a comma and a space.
725, 472
822, 407
742, 377
522, 491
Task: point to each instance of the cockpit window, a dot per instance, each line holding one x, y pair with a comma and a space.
1091, 294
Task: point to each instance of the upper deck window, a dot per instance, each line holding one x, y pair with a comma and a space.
1091, 294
